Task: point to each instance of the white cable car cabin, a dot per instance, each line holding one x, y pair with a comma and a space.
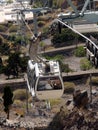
44, 82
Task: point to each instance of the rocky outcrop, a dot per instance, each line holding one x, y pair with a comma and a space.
81, 114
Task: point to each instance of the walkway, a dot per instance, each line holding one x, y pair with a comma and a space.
61, 49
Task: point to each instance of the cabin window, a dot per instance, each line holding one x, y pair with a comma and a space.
31, 78
34, 80
46, 83
97, 54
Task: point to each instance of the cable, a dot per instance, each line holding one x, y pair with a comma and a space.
24, 18
77, 32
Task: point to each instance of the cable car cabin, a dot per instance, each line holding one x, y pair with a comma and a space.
44, 80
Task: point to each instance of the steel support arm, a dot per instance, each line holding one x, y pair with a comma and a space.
85, 6
73, 7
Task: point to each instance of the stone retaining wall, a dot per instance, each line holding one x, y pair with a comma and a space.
14, 84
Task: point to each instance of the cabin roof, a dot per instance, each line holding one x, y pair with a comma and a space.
42, 69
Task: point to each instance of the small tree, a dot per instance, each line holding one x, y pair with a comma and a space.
23, 64
14, 63
7, 71
7, 97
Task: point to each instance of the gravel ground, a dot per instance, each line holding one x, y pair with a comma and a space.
73, 62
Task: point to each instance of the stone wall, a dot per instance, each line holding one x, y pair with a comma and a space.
14, 84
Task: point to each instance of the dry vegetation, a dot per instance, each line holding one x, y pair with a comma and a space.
69, 87
20, 94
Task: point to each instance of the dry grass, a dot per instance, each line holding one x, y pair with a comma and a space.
30, 99
49, 48
55, 110
20, 112
20, 94
94, 80
69, 87
54, 102
18, 102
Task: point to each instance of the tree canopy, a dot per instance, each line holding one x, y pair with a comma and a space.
61, 39
7, 97
15, 64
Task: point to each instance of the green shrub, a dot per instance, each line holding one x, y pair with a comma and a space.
85, 64
42, 44
4, 49
80, 52
56, 57
41, 23
61, 39
45, 29
69, 87
20, 94
65, 68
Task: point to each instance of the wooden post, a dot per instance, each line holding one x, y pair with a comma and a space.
27, 110
90, 88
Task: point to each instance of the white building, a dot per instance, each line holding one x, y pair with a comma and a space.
8, 13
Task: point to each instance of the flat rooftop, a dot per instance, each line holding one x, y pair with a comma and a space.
85, 28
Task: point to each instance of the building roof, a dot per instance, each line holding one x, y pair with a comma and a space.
7, 12
86, 28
